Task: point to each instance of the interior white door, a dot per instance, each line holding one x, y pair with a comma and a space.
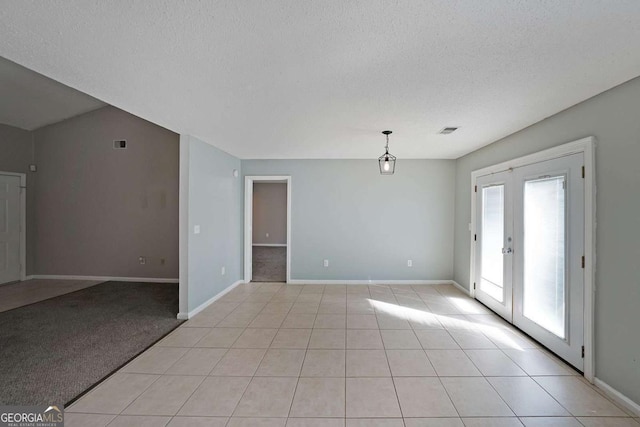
493, 241
548, 279
9, 228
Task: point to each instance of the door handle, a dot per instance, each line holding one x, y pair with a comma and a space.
507, 251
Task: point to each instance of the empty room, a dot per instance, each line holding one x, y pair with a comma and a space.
320, 214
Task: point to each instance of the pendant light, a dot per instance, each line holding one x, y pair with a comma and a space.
387, 162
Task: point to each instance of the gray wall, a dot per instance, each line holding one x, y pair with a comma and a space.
365, 224
214, 203
16, 154
270, 213
16, 146
99, 209
613, 117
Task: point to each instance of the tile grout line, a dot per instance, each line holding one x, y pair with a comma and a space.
295, 389
226, 352
553, 397
345, 355
261, 359
207, 376
444, 388
210, 371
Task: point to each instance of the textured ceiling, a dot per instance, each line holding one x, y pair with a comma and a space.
321, 79
29, 100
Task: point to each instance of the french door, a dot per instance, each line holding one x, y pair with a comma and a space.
529, 251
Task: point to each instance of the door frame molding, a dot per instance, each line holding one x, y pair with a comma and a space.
248, 220
23, 221
587, 147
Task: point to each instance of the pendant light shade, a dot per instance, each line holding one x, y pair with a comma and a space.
387, 162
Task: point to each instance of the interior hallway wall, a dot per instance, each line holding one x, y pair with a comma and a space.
613, 118
270, 213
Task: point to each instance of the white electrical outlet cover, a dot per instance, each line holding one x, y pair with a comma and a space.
196, 229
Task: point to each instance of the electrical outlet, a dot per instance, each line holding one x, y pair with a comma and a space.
409, 263
142, 260
196, 229
163, 261
326, 263
267, 235
223, 271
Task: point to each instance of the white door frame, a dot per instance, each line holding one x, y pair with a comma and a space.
23, 222
248, 221
586, 146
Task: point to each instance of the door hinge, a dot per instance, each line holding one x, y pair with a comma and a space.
582, 261
583, 352
474, 286
475, 237
583, 171
475, 189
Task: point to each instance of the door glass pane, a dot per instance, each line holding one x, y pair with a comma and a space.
492, 268
544, 253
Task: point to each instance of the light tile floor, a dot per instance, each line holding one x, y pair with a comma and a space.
346, 356
28, 292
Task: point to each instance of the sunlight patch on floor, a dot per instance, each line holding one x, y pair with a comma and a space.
436, 320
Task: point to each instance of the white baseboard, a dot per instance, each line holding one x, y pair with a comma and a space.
617, 397
207, 303
103, 278
462, 288
277, 245
369, 282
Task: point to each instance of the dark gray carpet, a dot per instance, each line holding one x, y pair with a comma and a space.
54, 350
269, 264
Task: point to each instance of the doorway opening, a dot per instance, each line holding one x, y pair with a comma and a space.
533, 248
12, 227
267, 250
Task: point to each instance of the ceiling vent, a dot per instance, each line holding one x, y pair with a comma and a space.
120, 144
447, 131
